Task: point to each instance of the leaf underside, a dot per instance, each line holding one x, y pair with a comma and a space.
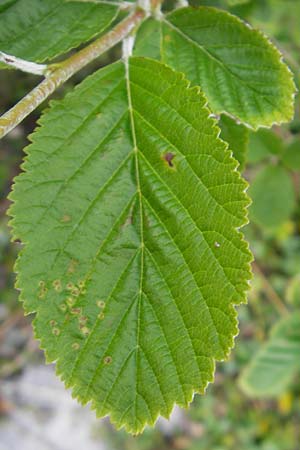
239, 70
271, 371
129, 207
41, 30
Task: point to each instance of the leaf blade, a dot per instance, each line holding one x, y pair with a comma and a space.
40, 31
273, 197
134, 274
273, 368
229, 60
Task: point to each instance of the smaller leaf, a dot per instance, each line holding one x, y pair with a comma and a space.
147, 41
263, 144
237, 67
291, 155
41, 30
237, 136
272, 369
273, 197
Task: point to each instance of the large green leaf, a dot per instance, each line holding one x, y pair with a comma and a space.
273, 368
129, 207
239, 70
40, 30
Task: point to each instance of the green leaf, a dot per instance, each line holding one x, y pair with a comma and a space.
41, 30
273, 196
272, 370
237, 2
4, 4
147, 41
292, 293
237, 136
291, 155
263, 144
129, 206
238, 68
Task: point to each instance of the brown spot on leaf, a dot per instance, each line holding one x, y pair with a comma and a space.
168, 157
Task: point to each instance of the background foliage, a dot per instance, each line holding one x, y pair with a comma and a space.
226, 418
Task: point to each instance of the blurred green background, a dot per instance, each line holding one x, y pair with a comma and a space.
226, 417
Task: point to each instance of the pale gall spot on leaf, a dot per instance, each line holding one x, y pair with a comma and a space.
56, 331
42, 293
70, 301
66, 218
100, 303
72, 266
63, 307
107, 360
57, 285
75, 292
85, 331
82, 321
75, 346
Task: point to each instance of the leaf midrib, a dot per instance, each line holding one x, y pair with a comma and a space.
138, 186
